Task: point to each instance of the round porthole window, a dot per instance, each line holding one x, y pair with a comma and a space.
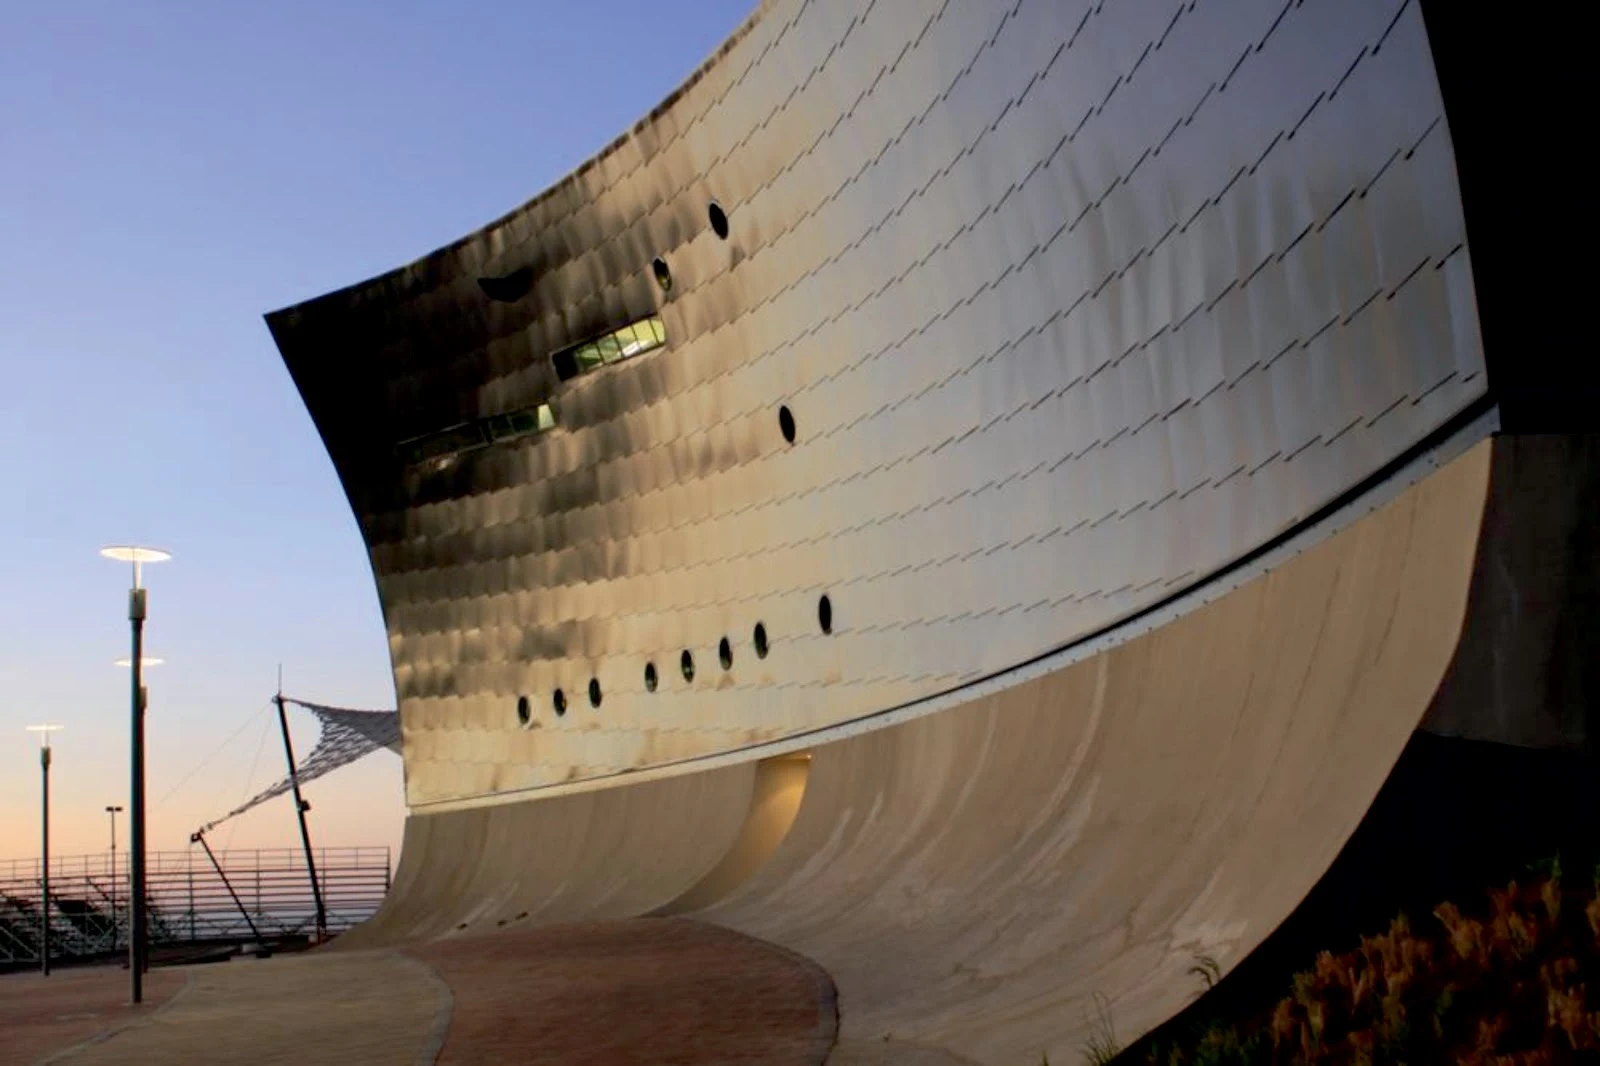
686, 663
761, 641
725, 654
524, 712
786, 423
825, 614
663, 275
594, 692
559, 701
719, 219
650, 677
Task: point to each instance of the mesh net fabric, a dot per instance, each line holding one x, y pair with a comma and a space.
347, 735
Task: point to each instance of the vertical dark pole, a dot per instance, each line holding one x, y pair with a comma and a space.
301, 807
44, 911
136, 920
112, 811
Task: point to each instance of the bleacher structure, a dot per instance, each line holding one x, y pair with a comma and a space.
189, 900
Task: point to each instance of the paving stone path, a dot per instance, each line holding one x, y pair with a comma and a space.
667, 992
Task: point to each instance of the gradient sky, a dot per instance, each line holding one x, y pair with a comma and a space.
168, 173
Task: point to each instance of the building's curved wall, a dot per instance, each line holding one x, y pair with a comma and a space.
975, 880
1073, 304
612, 853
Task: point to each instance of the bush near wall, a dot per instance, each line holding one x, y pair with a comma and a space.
1513, 980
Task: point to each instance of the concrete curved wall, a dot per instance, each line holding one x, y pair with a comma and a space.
971, 880
611, 853
974, 879
780, 786
1074, 305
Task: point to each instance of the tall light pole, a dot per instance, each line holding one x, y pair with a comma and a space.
138, 556
113, 809
44, 732
138, 906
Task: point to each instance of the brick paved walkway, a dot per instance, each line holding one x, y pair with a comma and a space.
657, 991
663, 992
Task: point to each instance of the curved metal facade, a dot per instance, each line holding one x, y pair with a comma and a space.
1073, 306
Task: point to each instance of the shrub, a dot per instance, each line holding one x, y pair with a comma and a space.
1504, 983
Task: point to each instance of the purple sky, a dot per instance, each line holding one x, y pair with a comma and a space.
168, 173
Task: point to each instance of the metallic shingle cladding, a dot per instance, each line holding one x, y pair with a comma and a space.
1073, 304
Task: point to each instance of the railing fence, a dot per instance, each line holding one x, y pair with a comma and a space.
186, 901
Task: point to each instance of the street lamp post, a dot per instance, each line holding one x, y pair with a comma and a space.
113, 809
138, 906
136, 615
44, 732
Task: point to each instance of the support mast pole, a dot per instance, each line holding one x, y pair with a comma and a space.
301, 807
199, 837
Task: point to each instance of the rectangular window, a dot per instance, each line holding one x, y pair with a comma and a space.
466, 436
635, 338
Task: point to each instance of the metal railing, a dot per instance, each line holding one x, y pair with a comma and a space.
187, 902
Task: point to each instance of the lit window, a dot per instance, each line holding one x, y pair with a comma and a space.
633, 339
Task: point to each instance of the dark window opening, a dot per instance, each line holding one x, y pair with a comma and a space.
524, 713
510, 288
719, 219
650, 677
663, 275
825, 614
761, 641
559, 700
594, 692
786, 423
479, 433
686, 664
725, 654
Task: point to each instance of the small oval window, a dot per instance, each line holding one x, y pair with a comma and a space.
719, 219
761, 641
786, 423
663, 275
650, 677
686, 664
725, 654
594, 692
524, 712
825, 614
559, 701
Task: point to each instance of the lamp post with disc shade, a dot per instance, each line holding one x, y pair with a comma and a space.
137, 953
44, 732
